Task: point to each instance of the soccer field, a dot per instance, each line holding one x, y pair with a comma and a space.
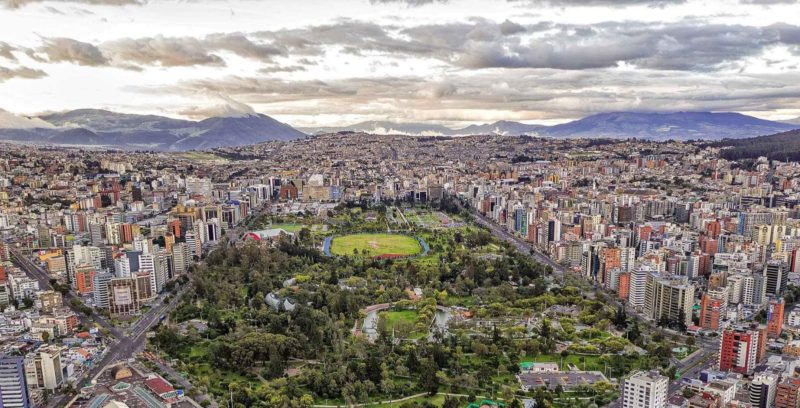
375, 245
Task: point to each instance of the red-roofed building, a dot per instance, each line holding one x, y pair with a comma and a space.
162, 388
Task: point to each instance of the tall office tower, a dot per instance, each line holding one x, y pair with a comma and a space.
96, 233
738, 350
735, 289
122, 267
669, 299
762, 391
43, 368
100, 289
645, 390
142, 244
637, 287
775, 276
711, 312
13, 384
775, 317
794, 260
180, 258
193, 243
760, 289
113, 233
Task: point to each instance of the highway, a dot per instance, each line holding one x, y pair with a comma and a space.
124, 345
520, 244
34, 271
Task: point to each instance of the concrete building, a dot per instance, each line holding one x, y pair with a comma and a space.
669, 299
13, 384
762, 391
645, 390
739, 350
43, 368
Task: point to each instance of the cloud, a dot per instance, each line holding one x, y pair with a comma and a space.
163, 51
6, 51
601, 3
409, 3
282, 68
9, 120
69, 50
223, 106
133, 53
20, 72
509, 27
21, 3
529, 94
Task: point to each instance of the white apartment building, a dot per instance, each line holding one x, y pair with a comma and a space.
645, 390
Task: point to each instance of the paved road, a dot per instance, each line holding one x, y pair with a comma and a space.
33, 270
520, 244
126, 344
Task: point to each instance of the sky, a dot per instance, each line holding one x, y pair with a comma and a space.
451, 62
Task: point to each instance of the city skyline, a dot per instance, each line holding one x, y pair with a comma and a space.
453, 62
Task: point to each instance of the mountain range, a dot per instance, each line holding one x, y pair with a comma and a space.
102, 128
618, 125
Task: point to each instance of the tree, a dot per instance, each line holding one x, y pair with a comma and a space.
681, 323
428, 380
45, 336
621, 318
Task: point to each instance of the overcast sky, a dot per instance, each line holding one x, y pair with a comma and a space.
454, 62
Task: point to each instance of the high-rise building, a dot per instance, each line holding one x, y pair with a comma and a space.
637, 287
669, 299
123, 296
100, 289
775, 277
645, 390
84, 276
623, 285
180, 258
775, 317
43, 368
711, 312
739, 350
787, 394
763, 389
13, 384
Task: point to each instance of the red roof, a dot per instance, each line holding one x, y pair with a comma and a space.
159, 386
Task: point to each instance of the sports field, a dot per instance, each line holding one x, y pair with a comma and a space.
375, 245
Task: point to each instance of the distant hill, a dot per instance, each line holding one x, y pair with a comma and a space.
616, 125
665, 126
101, 128
506, 128
782, 146
795, 121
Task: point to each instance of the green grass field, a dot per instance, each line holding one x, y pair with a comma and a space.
375, 244
395, 317
288, 227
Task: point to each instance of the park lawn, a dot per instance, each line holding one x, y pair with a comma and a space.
394, 317
289, 227
375, 244
436, 400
